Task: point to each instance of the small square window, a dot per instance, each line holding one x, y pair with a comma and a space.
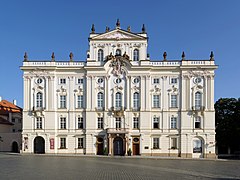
174, 81
80, 80
62, 81
156, 81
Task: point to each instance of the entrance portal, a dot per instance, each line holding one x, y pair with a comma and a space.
99, 146
15, 147
39, 145
197, 148
118, 146
135, 145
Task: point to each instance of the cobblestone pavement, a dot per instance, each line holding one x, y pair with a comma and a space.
79, 167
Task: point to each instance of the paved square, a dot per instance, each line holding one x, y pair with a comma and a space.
80, 167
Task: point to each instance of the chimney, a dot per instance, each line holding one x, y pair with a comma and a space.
15, 102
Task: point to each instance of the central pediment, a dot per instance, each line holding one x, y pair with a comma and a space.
118, 34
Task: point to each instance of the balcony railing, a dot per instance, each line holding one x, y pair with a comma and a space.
117, 130
198, 108
99, 108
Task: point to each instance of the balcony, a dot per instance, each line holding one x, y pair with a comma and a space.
135, 108
99, 108
117, 130
118, 111
37, 111
198, 108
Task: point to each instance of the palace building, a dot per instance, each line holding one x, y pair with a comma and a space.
119, 101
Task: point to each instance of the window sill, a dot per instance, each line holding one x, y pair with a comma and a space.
62, 148
156, 148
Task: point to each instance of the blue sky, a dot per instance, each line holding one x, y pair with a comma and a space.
61, 26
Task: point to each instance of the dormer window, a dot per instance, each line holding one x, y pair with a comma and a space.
136, 55
118, 52
100, 55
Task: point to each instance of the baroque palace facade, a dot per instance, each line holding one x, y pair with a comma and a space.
119, 101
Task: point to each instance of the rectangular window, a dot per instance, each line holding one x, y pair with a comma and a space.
156, 122
174, 143
173, 80
80, 143
174, 101
100, 122
118, 122
63, 123
156, 143
39, 123
197, 122
156, 81
80, 81
156, 101
63, 101
62, 143
173, 122
80, 122
80, 101
62, 81
135, 122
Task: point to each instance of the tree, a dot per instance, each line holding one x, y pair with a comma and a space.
227, 119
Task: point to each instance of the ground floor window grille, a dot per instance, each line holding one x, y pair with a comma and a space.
62, 143
155, 143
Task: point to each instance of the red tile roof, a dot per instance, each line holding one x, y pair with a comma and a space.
9, 107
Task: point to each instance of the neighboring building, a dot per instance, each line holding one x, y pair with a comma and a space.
10, 126
119, 99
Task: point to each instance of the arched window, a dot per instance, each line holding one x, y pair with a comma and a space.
118, 52
136, 55
100, 55
197, 123
118, 100
136, 100
39, 100
100, 100
198, 100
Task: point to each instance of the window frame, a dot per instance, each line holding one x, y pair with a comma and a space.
198, 100
39, 123
156, 123
156, 101
136, 100
135, 122
63, 143
80, 101
118, 122
118, 100
39, 100
100, 100
100, 123
198, 122
156, 143
62, 101
135, 55
80, 142
80, 123
63, 123
173, 122
100, 55
174, 101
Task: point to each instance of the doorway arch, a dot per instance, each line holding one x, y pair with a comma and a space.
99, 146
39, 145
15, 147
118, 146
197, 147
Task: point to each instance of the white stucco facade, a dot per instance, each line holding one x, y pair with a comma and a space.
119, 99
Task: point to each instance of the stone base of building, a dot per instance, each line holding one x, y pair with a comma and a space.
210, 156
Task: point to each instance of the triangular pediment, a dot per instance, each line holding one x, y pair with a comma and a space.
119, 35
